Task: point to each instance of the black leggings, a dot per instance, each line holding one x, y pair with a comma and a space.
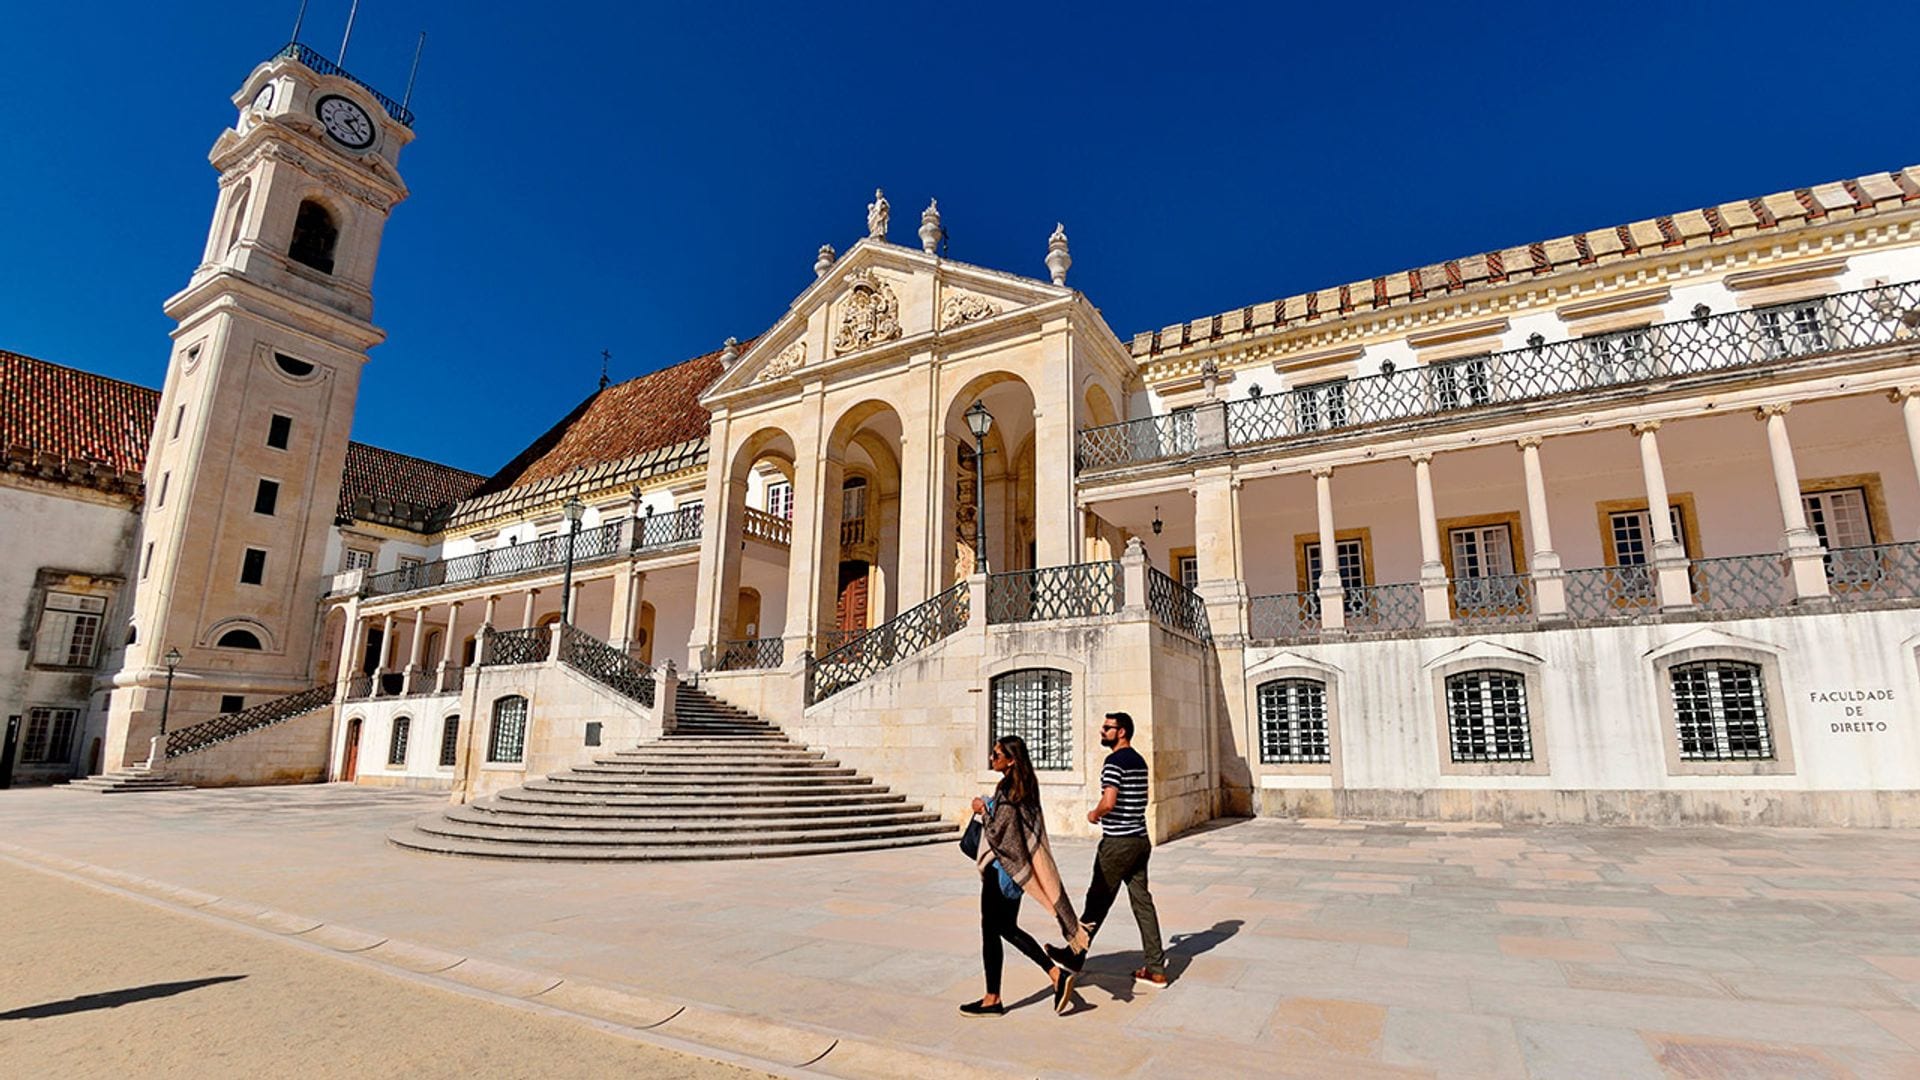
1000, 918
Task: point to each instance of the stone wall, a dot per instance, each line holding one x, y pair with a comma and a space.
561, 702
290, 752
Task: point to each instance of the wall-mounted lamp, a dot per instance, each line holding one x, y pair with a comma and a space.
1386, 367
1157, 523
1536, 340
1253, 390
1700, 313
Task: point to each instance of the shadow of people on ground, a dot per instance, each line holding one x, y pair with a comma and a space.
1113, 972
113, 999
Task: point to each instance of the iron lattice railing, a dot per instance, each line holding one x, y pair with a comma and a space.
901, 636
1494, 600
772, 528
667, 530
1177, 607
296, 51
453, 680
1611, 592
1741, 583
1054, 592
1283, 616
1874, 572
529, 645
1749, 337
233, 725
750, 654
1384, 608
548, 551
359, 687
607, 665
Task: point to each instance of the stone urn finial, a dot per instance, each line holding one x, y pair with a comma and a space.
930, 231
877, 213
824, 261
729, 352
1058, 258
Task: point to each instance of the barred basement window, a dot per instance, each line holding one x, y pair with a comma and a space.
49, 736
1720, 711
397, 746
1293, 722
449, 741
1487, 716
509, 736
1037, 705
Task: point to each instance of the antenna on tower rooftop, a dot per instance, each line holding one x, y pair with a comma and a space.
605, 356
298, 20
348, 36
411, 75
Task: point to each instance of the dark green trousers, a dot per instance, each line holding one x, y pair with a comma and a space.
1122, 860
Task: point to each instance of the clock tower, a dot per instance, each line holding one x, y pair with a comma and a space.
243, 476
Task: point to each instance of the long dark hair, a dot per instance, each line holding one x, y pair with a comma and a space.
1019, 785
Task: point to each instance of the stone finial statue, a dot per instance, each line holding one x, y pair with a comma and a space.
930, 231
1057, 257
729, 352
877, 212
825, 262
1210, 378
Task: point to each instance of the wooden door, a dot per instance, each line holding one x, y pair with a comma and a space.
350, 761
850, 612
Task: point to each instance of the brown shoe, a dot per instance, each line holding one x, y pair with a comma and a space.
1153, 980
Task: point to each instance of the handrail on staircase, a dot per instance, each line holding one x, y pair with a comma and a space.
607, 665
186, 740
901, 636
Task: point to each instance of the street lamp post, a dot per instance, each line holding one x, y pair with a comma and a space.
574, 509
159, 756
979, 421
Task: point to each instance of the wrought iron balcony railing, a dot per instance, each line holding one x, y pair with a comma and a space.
607, 665
1492, 600
1751, 337
233, 725
524, 646
1384, 608
359, 687
1177, 607
296, 51
453, 680
899, 637
1876, 572
1054, 592
1283, 616
751, 654
654, 532
1611, 592
1741, 584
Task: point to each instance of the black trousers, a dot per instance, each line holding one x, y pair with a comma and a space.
1122, 860
1000, 918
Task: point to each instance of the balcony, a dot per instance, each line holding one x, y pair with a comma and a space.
1752, 338
648, 534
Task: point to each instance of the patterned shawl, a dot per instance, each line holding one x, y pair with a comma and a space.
1016, 834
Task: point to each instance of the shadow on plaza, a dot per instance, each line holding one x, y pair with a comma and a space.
113, 999
1113, 972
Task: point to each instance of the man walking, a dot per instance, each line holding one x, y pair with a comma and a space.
1122, 857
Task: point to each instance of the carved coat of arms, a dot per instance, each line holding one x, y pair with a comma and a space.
869, 315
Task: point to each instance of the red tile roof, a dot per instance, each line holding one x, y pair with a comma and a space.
619, 422
382, 476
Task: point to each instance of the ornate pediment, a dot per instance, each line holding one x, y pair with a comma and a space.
960, 308
868, 314
790, 360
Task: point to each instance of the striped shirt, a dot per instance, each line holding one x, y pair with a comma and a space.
1125, 772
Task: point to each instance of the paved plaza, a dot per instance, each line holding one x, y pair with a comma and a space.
1297, 948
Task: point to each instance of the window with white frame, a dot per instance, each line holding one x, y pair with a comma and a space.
1037, 705
1483, 568
780, 499
853, 499
1720, 711
49, 736
69, 634
356, 559
1319, 406
1350, 559
1623, 356
1839, 517
1791, 329
1460, 383
1487, 716
507, 742
1630, 534
397, 743
1187, 569
1293, 722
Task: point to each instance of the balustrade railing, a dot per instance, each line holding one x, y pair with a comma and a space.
748, 655
772, 528
528, 645
607, 665
901, 636
1745, 338
1494, 600
648, 533
232, 725
1384, 608
853, 531
1874, 572
1177, 607
1283, 616
1739, 584
676, 527
1611, 592
1054, 592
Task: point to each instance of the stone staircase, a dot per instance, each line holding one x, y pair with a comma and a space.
723, 785
125, 781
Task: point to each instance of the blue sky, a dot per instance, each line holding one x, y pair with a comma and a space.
652, 178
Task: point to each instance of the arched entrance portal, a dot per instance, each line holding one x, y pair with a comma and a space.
859, 552
1004, 488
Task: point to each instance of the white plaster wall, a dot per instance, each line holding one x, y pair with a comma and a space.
422, 766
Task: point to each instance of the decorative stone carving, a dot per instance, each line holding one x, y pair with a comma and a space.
964, 308
790, 358
869, 315
1058, 259
824, 262
877, 213
930, 231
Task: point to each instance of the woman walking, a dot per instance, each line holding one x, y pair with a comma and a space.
1015, 861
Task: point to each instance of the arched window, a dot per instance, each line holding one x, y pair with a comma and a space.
133, 633
1037, 705
239, 221
449, 740
314, 235
1720, 711
1293, 722
239, 639
508, 740
1487, 716
397, 745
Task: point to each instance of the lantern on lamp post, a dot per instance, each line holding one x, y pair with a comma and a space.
979, 421
575, 509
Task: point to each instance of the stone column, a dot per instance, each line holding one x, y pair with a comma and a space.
719, 573
917, 577
1333, 612
1054, 397
1671, 577
811, 507
450, 645
526, 609
1802, 543
1433, 573
386, 649
1908, 398
1216, 496
1549, 586
353, 638
620, 613
1133, 580
415, 647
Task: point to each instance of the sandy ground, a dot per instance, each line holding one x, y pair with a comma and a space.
98, 985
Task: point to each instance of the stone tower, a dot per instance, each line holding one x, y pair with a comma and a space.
244, 472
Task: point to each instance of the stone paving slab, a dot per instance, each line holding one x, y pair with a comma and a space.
1306, 948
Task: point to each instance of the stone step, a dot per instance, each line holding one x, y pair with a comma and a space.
121, 783
865, 818
855, 786
444, 825
694, 809
409, 837
867, 796
721, 770
668, 755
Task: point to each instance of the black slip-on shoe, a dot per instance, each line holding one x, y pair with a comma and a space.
1063, 990
975, 1008
1067, 958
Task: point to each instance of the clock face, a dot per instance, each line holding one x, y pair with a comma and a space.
264, 99
346, 122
